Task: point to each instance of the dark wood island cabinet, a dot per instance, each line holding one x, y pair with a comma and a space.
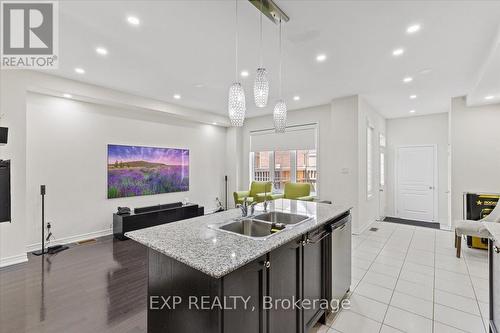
263, 295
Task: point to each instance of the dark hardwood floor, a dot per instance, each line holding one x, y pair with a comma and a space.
94, 287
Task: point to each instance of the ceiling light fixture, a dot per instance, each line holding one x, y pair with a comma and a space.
398, 52
407, 79
236, 99
199, 85
133, 20
244, 73
177, 96
261, 83
489, 97
215, 124
413, 96
425, 71
412, 111
296, 98
280, 109
101, 51
321, 57
67, 96
80, 70
413, 28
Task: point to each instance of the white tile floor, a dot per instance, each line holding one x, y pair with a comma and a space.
407, 279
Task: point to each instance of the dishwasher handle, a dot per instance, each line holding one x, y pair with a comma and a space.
308, 241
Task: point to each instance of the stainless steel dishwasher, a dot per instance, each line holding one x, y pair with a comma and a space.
341, 258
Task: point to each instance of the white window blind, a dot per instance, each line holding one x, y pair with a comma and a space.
295, 138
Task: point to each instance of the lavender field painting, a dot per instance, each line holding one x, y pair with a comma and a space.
135, 171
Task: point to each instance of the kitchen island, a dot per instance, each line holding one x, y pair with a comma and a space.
203, 278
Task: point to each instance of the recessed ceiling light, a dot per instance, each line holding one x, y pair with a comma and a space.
321, 57
214, 124
412, 111
407, 79
413, 28
133, 20
101, 51
489, 97
199, 85
177, 96
67, 96
398, 52
244, 73
80, 70
425, 71
413, 96
296, 98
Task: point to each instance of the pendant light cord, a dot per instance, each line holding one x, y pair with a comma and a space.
236, 44
281, 64
261, 56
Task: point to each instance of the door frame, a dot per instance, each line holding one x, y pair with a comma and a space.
435, 218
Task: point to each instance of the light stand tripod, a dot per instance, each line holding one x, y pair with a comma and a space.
42, 251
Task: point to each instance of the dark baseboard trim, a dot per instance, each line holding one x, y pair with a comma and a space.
432, 225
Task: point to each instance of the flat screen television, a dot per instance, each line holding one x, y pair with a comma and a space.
137, 171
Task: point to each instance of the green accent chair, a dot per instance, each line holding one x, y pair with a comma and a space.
297, 191
256, 193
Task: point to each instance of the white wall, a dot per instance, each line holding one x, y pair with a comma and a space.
13, 109
368, 208
429, 129
67, 151
475, 151
14, 87
343, 148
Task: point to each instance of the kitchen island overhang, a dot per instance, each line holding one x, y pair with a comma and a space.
204, 279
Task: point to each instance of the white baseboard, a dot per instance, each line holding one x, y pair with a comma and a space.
71, 239
4, 262
364, 228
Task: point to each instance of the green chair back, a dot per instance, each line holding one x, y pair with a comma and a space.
260, 187
297, 190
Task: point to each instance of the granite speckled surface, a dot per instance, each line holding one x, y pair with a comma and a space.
217, 253
494, 229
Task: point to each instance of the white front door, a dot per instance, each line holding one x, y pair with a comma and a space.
416, 183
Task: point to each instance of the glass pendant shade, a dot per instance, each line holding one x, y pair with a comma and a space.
279, 116
261, 88
236, 105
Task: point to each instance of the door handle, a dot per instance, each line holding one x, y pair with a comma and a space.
496, 249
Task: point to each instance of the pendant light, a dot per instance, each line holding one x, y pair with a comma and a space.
236, 98
261, 84
280, 110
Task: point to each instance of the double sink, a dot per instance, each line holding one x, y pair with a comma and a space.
263, 225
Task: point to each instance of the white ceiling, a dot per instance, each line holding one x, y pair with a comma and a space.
181, 44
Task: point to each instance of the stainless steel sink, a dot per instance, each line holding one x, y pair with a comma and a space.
280, 218
252, 228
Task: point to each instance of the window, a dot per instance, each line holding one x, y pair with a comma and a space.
369, 160
261, 166
289, 166
382, 169
306, 168
282, 169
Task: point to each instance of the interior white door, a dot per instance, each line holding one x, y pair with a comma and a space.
416, 183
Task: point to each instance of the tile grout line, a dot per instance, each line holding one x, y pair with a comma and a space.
393, 290
373, 261
475, 294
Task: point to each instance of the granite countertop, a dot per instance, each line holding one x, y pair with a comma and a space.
217, 253
494, 229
